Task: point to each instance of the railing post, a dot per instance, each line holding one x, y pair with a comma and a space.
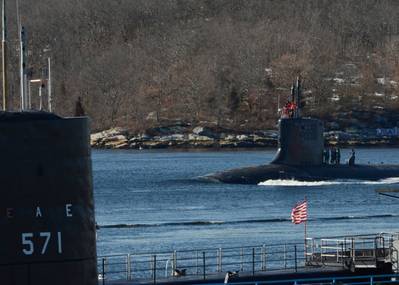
242, 259
296, 261
196, 263
128, 273
103, 270
371, 280
337, 247
342, 256
154, 269
203, 265
375, 254
253, 261
219, 260
263, 257
174, 261
313, 248
305, 250
285, 256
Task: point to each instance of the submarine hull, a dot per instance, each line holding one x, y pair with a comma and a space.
261, 173
47, 206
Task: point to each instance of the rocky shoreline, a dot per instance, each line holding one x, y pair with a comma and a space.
200, 137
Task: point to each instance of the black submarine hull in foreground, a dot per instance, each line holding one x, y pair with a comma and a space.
47, 205
262, 173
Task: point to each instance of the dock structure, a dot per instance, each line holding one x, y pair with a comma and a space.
354, 253
330, 257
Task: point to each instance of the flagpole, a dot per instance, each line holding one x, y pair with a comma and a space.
306, 234
305, 239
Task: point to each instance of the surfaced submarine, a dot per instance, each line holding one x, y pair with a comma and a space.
300, 155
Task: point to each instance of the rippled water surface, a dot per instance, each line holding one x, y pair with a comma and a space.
153, 201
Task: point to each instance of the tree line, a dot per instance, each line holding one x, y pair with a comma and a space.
145, 63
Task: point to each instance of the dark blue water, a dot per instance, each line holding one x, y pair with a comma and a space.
152, 201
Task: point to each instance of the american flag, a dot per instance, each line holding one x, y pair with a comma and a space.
299, 213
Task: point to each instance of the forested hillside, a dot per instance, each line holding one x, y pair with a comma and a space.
145, 63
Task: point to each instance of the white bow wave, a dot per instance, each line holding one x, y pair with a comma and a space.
289, 182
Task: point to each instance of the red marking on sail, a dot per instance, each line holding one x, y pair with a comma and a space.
299, 213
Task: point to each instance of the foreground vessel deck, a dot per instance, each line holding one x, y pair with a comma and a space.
319, 258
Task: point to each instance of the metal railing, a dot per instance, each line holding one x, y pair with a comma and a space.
201, 263
360, 251
348, 280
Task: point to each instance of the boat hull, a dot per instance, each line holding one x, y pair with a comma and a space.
261, 173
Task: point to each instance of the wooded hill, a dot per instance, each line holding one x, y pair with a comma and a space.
145, 63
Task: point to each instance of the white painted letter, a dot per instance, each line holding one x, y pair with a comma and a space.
28, 243
38, 212
47, 236
68, 210
59, 242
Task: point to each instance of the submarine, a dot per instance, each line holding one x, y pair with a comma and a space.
47, 206
300, 154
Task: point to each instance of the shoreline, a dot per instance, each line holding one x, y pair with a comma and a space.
202, 138
194, 148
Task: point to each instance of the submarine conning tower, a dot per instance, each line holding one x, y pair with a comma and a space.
301, 140
47, 209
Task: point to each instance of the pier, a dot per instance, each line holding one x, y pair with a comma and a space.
331, 257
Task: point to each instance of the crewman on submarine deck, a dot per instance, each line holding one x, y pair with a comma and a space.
337, 156
288, 110
334, 153
284, 113
333, 156
326, 156
351, 160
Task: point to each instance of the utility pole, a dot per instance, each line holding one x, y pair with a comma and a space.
29, 93
41, 96
49, 98
22, 68
4, 56
22, 60
21, 74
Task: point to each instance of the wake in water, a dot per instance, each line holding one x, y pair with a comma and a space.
288, 182
274, 220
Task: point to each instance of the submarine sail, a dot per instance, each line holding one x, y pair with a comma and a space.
47, 206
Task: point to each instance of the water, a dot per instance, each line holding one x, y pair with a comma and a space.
153, 201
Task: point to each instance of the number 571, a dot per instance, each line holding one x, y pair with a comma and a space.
29, 246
